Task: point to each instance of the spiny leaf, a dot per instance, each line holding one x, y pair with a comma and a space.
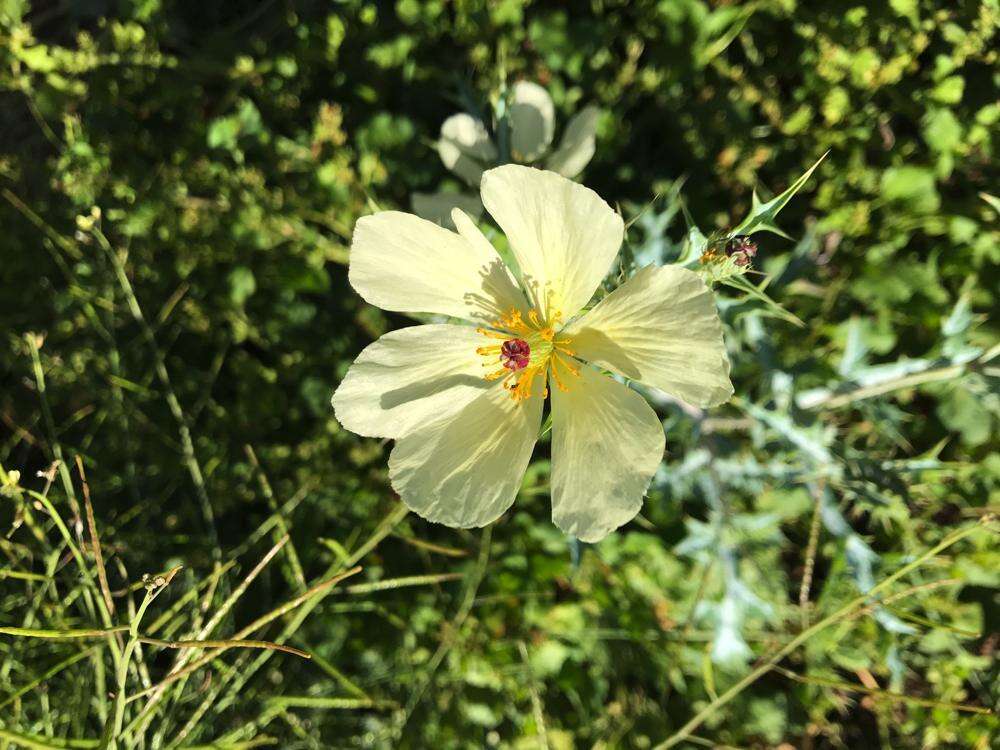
740, 283
762, 215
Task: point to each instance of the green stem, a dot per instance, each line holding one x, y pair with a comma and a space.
114, 728
160, 368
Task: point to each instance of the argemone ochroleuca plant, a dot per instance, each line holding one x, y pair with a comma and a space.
467, 148
464, 402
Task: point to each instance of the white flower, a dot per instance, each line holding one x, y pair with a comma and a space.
466, 148
464, 403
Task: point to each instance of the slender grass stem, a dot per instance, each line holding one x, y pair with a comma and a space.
173, 403
47, 675
451, 636
113, 729
698, 719
293, 569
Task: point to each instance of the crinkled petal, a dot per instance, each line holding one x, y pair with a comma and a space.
410, 378
403, 263
661, 328
465, 469
532, 121
465, 147
437, 207
578, 144
606, 445
563, 235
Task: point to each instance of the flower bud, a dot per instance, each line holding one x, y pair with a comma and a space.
741, 249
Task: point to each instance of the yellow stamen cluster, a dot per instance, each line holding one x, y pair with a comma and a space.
548, 353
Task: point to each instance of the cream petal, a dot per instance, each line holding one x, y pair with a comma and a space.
467, 229
578, 144
464, 470
499, 283
403, 263
410, 378
532, 121
563, 235
465, 147
437, 207
606, 445
661, 328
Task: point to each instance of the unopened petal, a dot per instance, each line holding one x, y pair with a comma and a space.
403, 263
606, 445
661, 328
563, 235
532, 121
578, 144
437, 207
465, 147
464, 470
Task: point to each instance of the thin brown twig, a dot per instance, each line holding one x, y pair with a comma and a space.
294, 573
843, 613
431, 547
385, 528
179, 669
95, 541
811, 548
879, 693
243, 632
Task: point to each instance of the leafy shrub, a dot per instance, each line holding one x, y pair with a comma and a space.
180, 183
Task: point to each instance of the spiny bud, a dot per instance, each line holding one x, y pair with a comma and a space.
741, 249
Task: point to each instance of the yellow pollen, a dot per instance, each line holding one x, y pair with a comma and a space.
520, 390
492, 334
573, 369
570, 370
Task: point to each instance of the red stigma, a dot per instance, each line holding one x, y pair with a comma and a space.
515, 354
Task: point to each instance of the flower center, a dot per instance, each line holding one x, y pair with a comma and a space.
515, 354
529, 348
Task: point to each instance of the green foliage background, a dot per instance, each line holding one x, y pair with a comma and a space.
231, 146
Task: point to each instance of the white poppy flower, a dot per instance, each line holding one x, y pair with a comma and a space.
437, 207
532, 121
466, 149
464, 403
465, 146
